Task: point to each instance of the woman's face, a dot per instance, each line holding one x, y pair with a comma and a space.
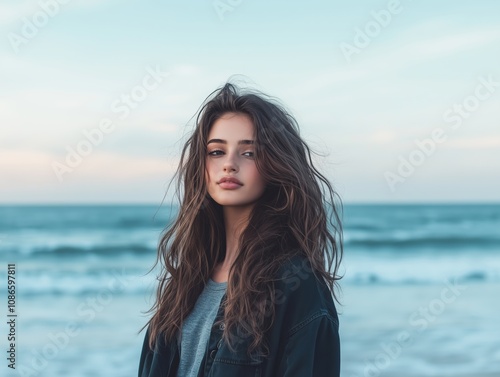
232, 176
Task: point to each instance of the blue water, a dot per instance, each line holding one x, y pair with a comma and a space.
67, 256
389, 244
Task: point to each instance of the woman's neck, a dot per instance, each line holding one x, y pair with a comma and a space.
235, 220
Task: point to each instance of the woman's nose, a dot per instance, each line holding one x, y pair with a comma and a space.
230, 164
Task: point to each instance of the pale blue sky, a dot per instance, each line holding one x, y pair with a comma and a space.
64, 73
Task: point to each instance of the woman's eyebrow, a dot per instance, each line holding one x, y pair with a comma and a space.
220, 141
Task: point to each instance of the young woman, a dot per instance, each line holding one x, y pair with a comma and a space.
249, 265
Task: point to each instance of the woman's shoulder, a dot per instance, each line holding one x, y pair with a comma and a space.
302, 292
295, 272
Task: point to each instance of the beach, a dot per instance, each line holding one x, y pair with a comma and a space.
409, 330
419, 294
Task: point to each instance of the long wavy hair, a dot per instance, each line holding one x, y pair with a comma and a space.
298, 213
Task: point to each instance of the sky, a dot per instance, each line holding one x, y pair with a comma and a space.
400, 99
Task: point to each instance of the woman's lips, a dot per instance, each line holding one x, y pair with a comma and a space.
230, 183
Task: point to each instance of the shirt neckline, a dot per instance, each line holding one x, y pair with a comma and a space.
216, 286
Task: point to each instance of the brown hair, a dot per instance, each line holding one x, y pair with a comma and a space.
297, 214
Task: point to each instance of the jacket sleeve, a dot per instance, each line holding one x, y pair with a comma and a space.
313, 349
162, 362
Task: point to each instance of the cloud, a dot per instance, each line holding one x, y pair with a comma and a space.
11, 12
475, 143
112, 167
21, 167
432, 48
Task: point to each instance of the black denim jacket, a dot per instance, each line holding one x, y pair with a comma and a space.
303, 341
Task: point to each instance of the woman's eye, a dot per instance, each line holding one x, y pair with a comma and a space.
249, 154
216, 152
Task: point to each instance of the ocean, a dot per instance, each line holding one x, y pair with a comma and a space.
420, 289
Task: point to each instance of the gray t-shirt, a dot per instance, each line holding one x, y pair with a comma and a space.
196, 328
